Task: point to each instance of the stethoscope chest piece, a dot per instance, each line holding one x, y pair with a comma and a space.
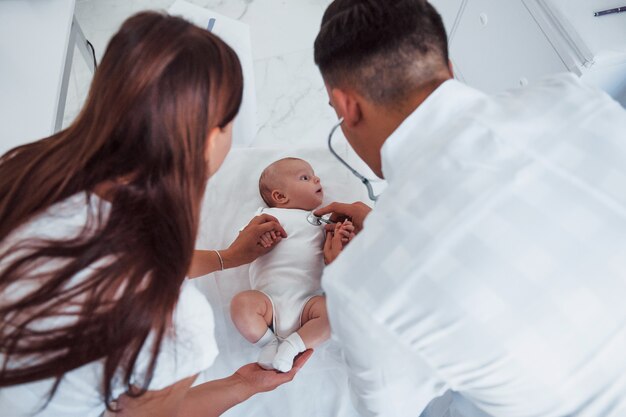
318, 221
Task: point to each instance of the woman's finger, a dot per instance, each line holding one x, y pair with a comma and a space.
297, 365
302, 359
272, 226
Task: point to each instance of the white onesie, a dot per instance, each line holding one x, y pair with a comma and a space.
290, 274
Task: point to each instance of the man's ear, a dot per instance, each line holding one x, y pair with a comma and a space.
279, 198
347, 104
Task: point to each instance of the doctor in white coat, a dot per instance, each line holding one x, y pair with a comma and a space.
494, 265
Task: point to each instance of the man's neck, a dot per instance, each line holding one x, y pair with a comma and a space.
394, 116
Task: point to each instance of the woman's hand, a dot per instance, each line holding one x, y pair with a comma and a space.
257, 379
355, 212
256, 239
213, 398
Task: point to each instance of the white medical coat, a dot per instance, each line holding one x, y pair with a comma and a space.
494, 264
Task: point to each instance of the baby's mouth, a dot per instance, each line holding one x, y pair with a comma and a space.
319, 191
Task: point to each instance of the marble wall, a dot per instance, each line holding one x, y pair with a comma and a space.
292, 103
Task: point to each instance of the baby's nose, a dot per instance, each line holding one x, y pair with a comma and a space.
316, 180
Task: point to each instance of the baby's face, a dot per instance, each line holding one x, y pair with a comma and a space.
300, 185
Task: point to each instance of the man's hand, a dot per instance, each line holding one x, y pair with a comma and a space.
355, 212
260, 236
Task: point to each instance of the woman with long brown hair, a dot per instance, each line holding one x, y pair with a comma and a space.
97, 230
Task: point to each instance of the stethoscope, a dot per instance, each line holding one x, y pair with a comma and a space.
318, 221
370, 191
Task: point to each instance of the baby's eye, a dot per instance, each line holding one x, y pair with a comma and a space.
304, 178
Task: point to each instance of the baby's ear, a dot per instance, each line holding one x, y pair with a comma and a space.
279, 197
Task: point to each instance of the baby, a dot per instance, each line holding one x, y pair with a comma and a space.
285, 312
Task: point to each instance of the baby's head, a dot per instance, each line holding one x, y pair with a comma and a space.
291, 183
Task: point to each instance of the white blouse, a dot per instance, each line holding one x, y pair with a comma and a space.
80, 394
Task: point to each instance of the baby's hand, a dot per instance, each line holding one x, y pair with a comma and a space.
346, 230
268, 239
336, 240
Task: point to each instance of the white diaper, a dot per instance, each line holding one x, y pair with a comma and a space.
287, 317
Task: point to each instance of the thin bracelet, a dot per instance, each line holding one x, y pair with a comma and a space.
220, 257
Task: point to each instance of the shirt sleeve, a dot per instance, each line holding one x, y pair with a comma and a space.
188, 349
386, 378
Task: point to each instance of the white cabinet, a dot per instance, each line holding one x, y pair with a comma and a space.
499, 44
504, 38
34, 68
237, 35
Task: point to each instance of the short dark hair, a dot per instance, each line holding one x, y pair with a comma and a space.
383, 48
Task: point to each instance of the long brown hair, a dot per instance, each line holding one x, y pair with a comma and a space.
162, 86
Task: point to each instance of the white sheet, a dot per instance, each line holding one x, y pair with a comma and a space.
320, 389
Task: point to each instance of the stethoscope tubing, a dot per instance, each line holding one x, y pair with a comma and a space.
364, 180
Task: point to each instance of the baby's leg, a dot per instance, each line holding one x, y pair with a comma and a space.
314, 331
315, 326
251, 312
